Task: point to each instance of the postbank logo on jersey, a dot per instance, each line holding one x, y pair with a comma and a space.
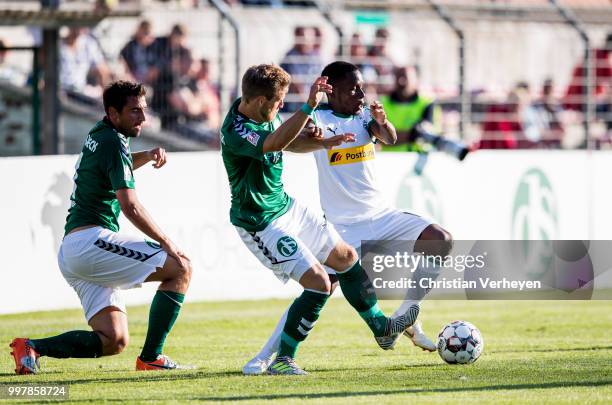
350, 155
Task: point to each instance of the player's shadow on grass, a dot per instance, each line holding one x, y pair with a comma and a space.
403, 367
139, 376
12, 374
563, 384
569, 349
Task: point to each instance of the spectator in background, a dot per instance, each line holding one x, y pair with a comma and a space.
359, 56
196, 101
207, 95
137, 53
318, 42
383, 65
83, 69
548, 110
9, 73
604, 112
409, 110
512, 124
171, 69
303, 64
602, 73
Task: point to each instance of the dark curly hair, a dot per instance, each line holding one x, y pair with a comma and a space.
117, 93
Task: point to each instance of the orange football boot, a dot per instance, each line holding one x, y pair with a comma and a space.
26, 358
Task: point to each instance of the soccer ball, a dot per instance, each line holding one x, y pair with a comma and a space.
460, 342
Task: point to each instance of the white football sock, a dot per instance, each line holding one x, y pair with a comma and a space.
404, 307
271, 346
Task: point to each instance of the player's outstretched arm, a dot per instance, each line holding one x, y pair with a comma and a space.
289, 130
157, 155
311, 139
138, 215
381, 128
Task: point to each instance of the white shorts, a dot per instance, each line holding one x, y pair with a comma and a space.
292, 243
390, 224
98, 263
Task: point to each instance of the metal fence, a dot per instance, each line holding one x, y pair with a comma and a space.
505, 75
19, 100
513, 75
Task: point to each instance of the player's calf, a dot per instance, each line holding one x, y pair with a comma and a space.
303, 313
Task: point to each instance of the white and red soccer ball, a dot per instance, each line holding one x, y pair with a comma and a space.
460, 342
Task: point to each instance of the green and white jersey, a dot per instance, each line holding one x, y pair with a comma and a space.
258, 195
104, 166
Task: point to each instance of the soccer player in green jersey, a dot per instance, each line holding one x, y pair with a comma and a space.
97, 261
285, 236
350, 194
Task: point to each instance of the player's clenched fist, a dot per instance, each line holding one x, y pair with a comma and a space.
158, 156
378, 112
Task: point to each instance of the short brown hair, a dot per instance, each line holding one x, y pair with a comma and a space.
264, 80
117, 93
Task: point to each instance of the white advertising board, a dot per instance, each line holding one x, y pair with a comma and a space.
492, 195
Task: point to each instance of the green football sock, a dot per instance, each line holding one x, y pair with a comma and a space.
359, 292
76, 343
301, 317
162, 315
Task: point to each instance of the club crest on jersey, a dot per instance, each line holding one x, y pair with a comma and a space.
286, 246
351, 155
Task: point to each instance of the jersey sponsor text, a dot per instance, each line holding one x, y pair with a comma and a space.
351, 155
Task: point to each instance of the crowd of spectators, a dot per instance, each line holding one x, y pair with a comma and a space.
181, 93
522, 121
185, 100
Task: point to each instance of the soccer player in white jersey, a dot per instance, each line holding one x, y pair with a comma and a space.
349, 194
285, 236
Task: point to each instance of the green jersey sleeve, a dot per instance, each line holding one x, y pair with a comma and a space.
245, 138
119, 165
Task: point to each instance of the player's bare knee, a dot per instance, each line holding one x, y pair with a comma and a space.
346, 256
113, 342
351, 256
435, 241
316, 279
324, 285
446, 242
120, 344
186, 272
333, 285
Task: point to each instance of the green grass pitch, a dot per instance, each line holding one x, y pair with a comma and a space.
535, 352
